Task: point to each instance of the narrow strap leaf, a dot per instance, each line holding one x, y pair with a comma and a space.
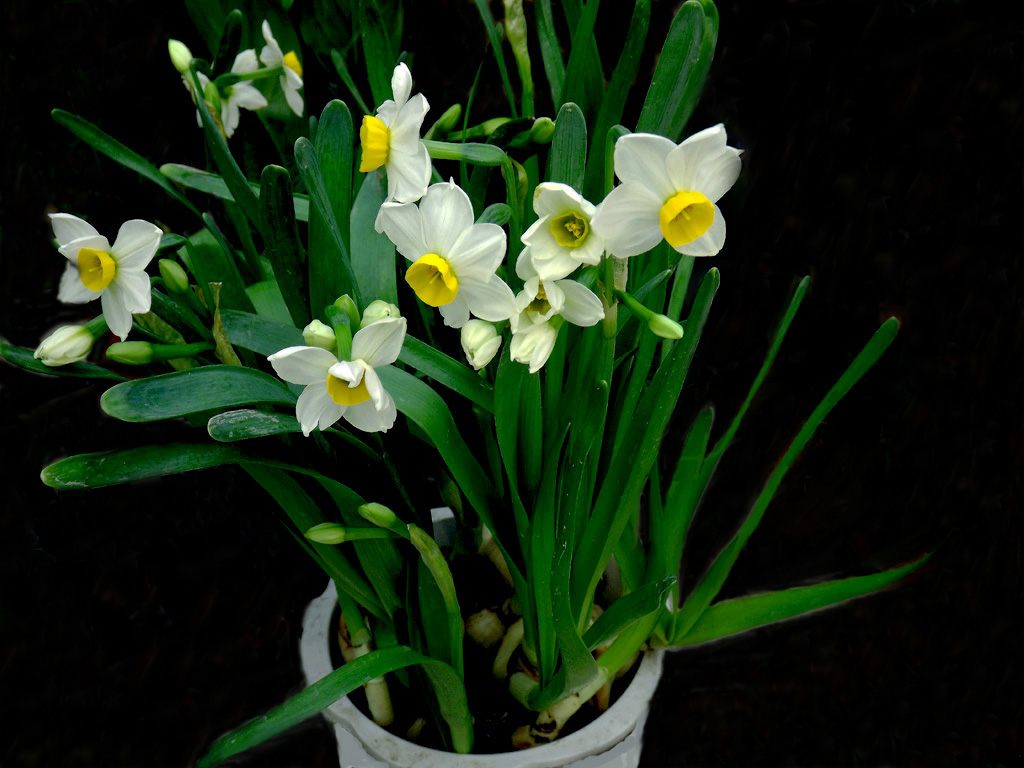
119, 153
281, 236
551, 54
584, 78
24, 359
568, 155
247, 423
745, 613
378, 49
628, 609
499, 57
212, 184
448, 372
373, 254
334, 142
261, 335
675, 69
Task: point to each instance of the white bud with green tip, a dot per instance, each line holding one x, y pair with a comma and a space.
378, 310
480, 342
181, 56
542, 131
68, 344
346, 304
318, 334
175, 278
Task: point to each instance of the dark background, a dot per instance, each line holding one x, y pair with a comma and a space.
883, 156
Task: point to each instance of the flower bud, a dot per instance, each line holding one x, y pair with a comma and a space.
317, 334
446, 123
480, 342
346, 304
381, 516
174, 276
665, 327
181, 56
211, 95
542, 131
326, 533
68, 344
378, 310
131, 352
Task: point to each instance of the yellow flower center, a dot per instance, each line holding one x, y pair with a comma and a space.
570, 230
343, 394
376, 141
432, 278
685, 217
96, 269
292, 62
540, 304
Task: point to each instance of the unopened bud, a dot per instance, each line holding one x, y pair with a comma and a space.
445, 123
380, 515
174, 276
665, 327
349, 307
326, 533
211, 95
181, 56
68, 344
378, 310
480, 342
317, 334
542, 131
131, 352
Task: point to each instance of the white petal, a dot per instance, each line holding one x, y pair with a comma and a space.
386, 112
247, 96
711, 242
136, 244
628, 220
366, 417
640, 158
591, 250
245, 62
291, 94
316, 408
489, 300
408, 175
351, 371
581, 306
478, 252
555, 297
72, 290
272, 55
118, 318
375, 388
401, 84
456, 311
303, 365
95, 242
703, 163
447, 214
403, 225
379, 343
229, 116
553, 199
67, 228
406, 124
524, 264
530, 289
133, 289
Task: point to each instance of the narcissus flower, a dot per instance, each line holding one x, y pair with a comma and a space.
453, 260
242, 94
668, 192
392, 139
115, 274
349, 389
562, 238
291, 69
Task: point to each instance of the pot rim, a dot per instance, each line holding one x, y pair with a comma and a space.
605, 732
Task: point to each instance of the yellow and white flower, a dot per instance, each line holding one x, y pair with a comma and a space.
562, 238
291, 68
392, 139
115, 274
668, 192
349, 389
453, 260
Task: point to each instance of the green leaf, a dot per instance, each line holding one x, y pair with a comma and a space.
373, 254
118, 152
745, 613
262, 336
247, 423
499, 57
334, 142
268, 301
451, 696
214, 261
214, 185
97, 470
568, 155
378, 48
554, 67
584, 78
346, 77
447, 372
498, 213
628, 609
213, 387
712, 581
281, 236
24, 359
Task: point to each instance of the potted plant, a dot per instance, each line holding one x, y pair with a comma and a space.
473, 453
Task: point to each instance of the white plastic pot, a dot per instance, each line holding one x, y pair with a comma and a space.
611, 741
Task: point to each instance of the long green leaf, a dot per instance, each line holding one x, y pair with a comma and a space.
568, 155
262, 336
346, 77
247, 423
628, 609
584, 78
24, 359
448, 372
491, 29
334, 142
119, 153
282, 241
373, 254
675, 66
451, 696
213, 387
378, 48
554, 67
214, 185
712, 581
745, 613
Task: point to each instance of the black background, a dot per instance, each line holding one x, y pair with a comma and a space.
883, 146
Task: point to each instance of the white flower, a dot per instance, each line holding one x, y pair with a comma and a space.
346, 388
562, 238
480, 342
210, 95
668, 192
392, 139
68, 344
114, 274
454, 260
291, 69
242, 94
